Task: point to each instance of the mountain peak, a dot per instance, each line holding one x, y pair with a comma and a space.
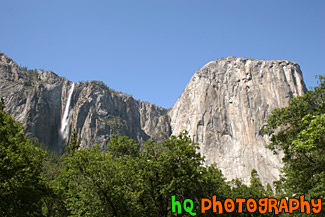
5, 59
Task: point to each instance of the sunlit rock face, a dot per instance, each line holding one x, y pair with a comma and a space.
223, 108
226, 104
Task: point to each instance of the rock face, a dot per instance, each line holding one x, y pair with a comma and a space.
223, 108
38, 99
227, 102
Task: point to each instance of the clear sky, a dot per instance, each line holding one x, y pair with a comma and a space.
151, 48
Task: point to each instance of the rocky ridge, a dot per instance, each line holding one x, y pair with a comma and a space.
223, 108
38, 98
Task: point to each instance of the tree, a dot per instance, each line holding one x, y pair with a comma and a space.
175, 167
255, 190
94, 183
256, 186
300, 134
169, 168
22, 188
73, 144
128, 181
121, 146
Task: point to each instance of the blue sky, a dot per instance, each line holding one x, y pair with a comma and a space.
151, 48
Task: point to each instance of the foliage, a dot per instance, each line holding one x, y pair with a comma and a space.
300, 134
255, 190
93, 184
169, 168
22, 188
256, 186
126, 181
121, 146
73, 144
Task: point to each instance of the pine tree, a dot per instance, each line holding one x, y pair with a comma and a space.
74, 143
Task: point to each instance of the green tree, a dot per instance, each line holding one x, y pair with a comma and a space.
73, 144
175, 167
127, 181
300, 134
22, 188
121, 146
169, 168
269, 191
94, 183
256, 187
255, 190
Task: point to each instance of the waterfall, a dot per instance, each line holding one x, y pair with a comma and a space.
65, 119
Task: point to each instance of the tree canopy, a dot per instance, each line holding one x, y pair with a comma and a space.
300, 134
22, 188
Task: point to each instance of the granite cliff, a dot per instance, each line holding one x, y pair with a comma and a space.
227, 103
50, 107
223, 108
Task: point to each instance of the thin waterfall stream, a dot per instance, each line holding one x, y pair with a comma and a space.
65, 119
